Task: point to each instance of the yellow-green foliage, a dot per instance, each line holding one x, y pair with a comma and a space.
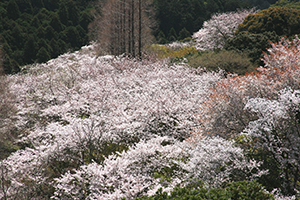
230, 61
284, 21
287, 3
162, 51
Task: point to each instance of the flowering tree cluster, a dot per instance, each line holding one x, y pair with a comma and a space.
263, 105
111, 127
223, 114
219, 28
277, 131
80, 108
7, 117
160, 162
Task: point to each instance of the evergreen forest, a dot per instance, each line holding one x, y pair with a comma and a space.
35, 31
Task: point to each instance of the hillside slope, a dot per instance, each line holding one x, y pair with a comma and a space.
35, 31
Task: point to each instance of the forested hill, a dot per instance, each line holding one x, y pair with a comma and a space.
38, 30
177, 19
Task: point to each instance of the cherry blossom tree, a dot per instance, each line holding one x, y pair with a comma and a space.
219, 28
7, 113
110, 127
224, 115
161, 162
81, 108
277, 129
264, 103
8, 117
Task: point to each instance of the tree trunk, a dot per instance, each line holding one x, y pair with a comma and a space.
122, 27
140, 29
132, 29
129, 33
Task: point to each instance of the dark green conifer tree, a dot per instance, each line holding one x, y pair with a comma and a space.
3, 12
43, 43
184, 34
161, 38
25, 6
72, 36
51, 4
50, 33
30, 50
73, 12
55, 48
18, 57
42, 55
82, 39
6, 49
40, 32
18, 36
172, 36
44, 20
12, 9
62, 46
43, 15
35, 22
56, 23
63, 13
85, 19
38, 4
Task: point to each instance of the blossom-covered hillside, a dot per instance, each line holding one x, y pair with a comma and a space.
112, 127
78, 108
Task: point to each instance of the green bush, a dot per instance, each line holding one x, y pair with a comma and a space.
162, 51
287, 3
272, 179
284, 21
252, 44
233, 191
230, 61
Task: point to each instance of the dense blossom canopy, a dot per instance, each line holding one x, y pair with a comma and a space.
74, 106
111, 127
219, 28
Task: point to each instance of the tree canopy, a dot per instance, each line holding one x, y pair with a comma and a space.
109, 127
177, 16
283, 20
85, 126
64, 24
27, 28
287, 3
